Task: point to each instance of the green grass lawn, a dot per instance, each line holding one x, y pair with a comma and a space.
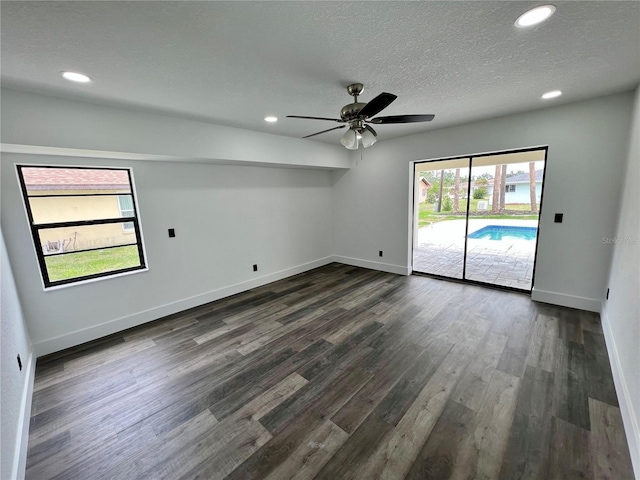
427, 215
81, 264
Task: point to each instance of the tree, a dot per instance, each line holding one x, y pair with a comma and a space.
440, 195
532, 187
503, 186
456, 192
496, 191
479, 193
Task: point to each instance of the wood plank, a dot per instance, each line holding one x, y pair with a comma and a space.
312, 454
601, 386
570, 397
286, 439
353, 413
240, 396
483, 449
403, 394
570, 452
314, 392
527, 454
93, 361
394, 458
349, 460
542, 344
439, 454
609, 449
471, 389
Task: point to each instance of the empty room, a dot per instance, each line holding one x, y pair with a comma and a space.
330, 240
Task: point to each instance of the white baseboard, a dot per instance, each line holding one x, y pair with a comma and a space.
383, 267
97, 331
625, 401
22, 442
564, 300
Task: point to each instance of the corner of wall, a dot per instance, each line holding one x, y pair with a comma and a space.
564, 300
632, 429
383, 267
22, 442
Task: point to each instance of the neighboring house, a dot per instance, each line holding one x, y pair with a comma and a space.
424, 186
516, 188
83, 194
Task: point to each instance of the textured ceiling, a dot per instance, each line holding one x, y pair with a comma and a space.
233, 63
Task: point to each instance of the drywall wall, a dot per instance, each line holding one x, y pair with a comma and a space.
621, 312
37, 122
587, 151
226, 219
16, 384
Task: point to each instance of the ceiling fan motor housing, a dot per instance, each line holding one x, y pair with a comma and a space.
351, 111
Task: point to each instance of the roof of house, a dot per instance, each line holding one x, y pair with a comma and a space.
523, 177
426, 182
46, 178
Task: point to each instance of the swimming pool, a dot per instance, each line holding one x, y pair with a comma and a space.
503, 232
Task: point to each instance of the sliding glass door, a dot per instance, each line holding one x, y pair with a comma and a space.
476, 218
441, 191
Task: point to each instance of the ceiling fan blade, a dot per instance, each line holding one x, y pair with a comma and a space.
317, 118
402, 119
325, 131
376, 105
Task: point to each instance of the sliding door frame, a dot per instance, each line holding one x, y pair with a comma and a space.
414, 224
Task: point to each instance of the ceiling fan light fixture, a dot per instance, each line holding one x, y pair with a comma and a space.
535, 16
368, 137
350, 139
271, 119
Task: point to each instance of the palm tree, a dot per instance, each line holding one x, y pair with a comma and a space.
456, 193
503, 186
532, 187
496, 190
440, 195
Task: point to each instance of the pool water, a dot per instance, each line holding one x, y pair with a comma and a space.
499, 232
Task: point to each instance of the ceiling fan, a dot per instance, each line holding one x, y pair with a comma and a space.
357, 116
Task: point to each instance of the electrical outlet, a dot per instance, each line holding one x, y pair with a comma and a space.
255, 267
380, 253
172, 232
607, 294
19, 363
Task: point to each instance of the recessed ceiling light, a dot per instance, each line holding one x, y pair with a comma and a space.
271, 119
535, 16
76, 77
552, 94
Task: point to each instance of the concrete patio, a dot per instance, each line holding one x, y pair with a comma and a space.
439, 250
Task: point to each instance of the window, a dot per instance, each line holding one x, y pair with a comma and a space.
125, 202
83, 221
509, 188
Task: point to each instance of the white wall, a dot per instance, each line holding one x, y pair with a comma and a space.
32, 122
226, 219
585, 169
16, 385
621, 313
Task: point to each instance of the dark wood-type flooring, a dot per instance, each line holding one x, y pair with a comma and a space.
337, 373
